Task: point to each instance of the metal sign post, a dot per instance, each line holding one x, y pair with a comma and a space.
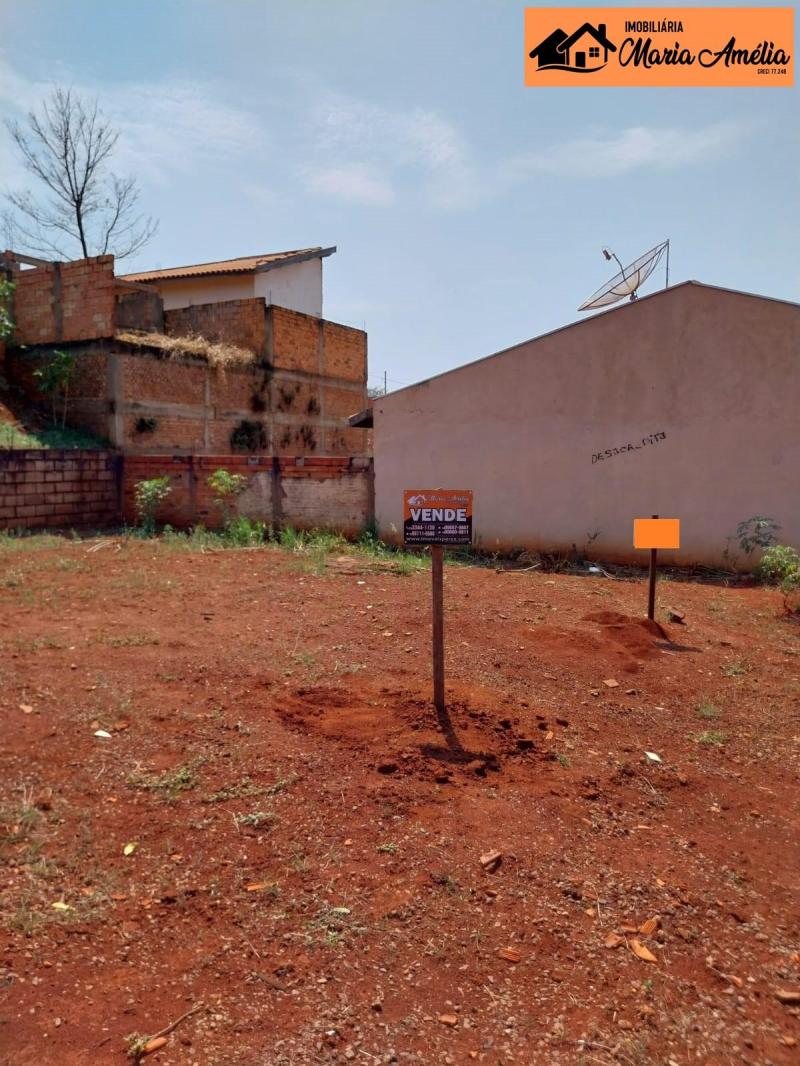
437, 517
655, 533
651, 591
437, 585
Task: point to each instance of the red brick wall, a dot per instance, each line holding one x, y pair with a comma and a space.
51, 487
304, 493
303, 342
239, 322
64, 301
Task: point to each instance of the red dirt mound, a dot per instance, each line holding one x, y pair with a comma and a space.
636, 634
401, 731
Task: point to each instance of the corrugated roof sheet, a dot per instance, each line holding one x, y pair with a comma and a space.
243, 265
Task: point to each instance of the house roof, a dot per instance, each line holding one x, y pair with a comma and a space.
583, 323
587, 27
250, 264
555, 39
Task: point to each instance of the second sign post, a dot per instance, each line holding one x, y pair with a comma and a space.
437, 517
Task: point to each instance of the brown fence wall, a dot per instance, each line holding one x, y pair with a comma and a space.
299, 492
59, 488
64, 301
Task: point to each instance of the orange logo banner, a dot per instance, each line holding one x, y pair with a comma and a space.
672, 46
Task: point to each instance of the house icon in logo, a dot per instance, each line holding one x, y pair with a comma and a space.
583, 51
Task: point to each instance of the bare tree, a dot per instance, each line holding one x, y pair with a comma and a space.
85, 208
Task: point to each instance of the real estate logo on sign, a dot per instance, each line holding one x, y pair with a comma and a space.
437, 516
677, 46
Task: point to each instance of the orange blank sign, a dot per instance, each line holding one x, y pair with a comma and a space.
656, 532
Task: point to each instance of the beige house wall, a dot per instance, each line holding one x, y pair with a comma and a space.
716, 372
297, 286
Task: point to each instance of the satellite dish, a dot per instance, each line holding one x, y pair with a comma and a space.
629, 279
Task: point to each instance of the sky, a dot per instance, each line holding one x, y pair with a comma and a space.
469, 211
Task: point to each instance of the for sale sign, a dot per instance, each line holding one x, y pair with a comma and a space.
437, 516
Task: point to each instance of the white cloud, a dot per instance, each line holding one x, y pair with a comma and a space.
603, 155
380, 148
365, 150
165, 128
356, 182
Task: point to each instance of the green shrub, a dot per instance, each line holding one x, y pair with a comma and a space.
780, 565
756, 532
149, 495
6, 322
243, 532
54, 378
226, 487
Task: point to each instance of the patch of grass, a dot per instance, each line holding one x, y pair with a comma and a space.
706, 709
711, 737
12, 437
735, 668
563, 760
25, 918
20, 819
282, 784
335, 924
389, 848
130, 640
37, 644
244, 789
19, 540
170, 784
401, 561
12, 579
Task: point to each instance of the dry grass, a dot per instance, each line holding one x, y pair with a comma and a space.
218, 355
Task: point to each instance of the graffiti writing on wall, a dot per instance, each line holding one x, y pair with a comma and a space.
609, 453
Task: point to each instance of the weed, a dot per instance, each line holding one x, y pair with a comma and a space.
149, 495
131, 640
256, 819
780, 565
248, 436
22, 540
563, 760
735, 668
21, 819
706, 709
348, 668
402, 562
25, 919
243, 789
12, 579
170, 784
299, 863
711, 737
225, 488
335, 923
282, 784
389, 848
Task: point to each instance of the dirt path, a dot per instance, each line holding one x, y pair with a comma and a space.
305, 842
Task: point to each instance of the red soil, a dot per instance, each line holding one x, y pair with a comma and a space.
270, 727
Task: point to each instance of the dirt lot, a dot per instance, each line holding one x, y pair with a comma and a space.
304, 842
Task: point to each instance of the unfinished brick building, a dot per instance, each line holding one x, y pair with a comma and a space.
240, 381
